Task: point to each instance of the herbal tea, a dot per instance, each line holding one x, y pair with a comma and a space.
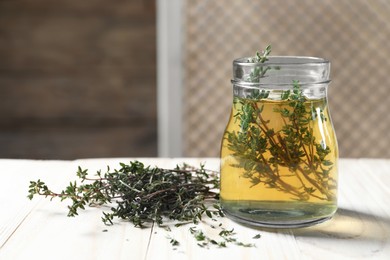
279, 160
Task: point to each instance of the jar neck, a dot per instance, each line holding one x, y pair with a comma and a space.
279, 72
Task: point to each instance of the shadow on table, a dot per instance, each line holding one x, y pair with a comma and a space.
345, 224
349, 233
349, 224
355, 234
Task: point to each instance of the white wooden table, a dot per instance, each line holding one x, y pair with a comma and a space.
40, 228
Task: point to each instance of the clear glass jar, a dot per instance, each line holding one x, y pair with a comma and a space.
279, 151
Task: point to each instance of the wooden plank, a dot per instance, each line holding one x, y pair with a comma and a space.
79, 96
119, 8
77, 238
271, 245
70, 35
16, 175
61, 142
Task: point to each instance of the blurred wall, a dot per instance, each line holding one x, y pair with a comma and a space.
353, 35
77, 78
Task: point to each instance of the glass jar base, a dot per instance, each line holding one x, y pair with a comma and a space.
278, 214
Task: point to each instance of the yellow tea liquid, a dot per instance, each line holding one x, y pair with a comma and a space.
293, 180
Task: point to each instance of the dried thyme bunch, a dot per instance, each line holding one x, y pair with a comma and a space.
142, 194
150, 195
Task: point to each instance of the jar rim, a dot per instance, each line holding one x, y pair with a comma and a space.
281, 71
283, 60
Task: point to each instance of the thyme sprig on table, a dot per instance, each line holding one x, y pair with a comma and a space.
142, 194
147, 195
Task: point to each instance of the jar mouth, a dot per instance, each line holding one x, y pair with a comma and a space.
281, 71
283, 60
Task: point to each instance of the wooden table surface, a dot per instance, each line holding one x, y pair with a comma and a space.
40, 228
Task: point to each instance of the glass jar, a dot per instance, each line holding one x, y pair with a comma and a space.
279, 151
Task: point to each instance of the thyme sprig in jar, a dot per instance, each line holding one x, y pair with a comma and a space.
279, 151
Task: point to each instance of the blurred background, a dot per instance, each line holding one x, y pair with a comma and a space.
136, 78
77, 78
